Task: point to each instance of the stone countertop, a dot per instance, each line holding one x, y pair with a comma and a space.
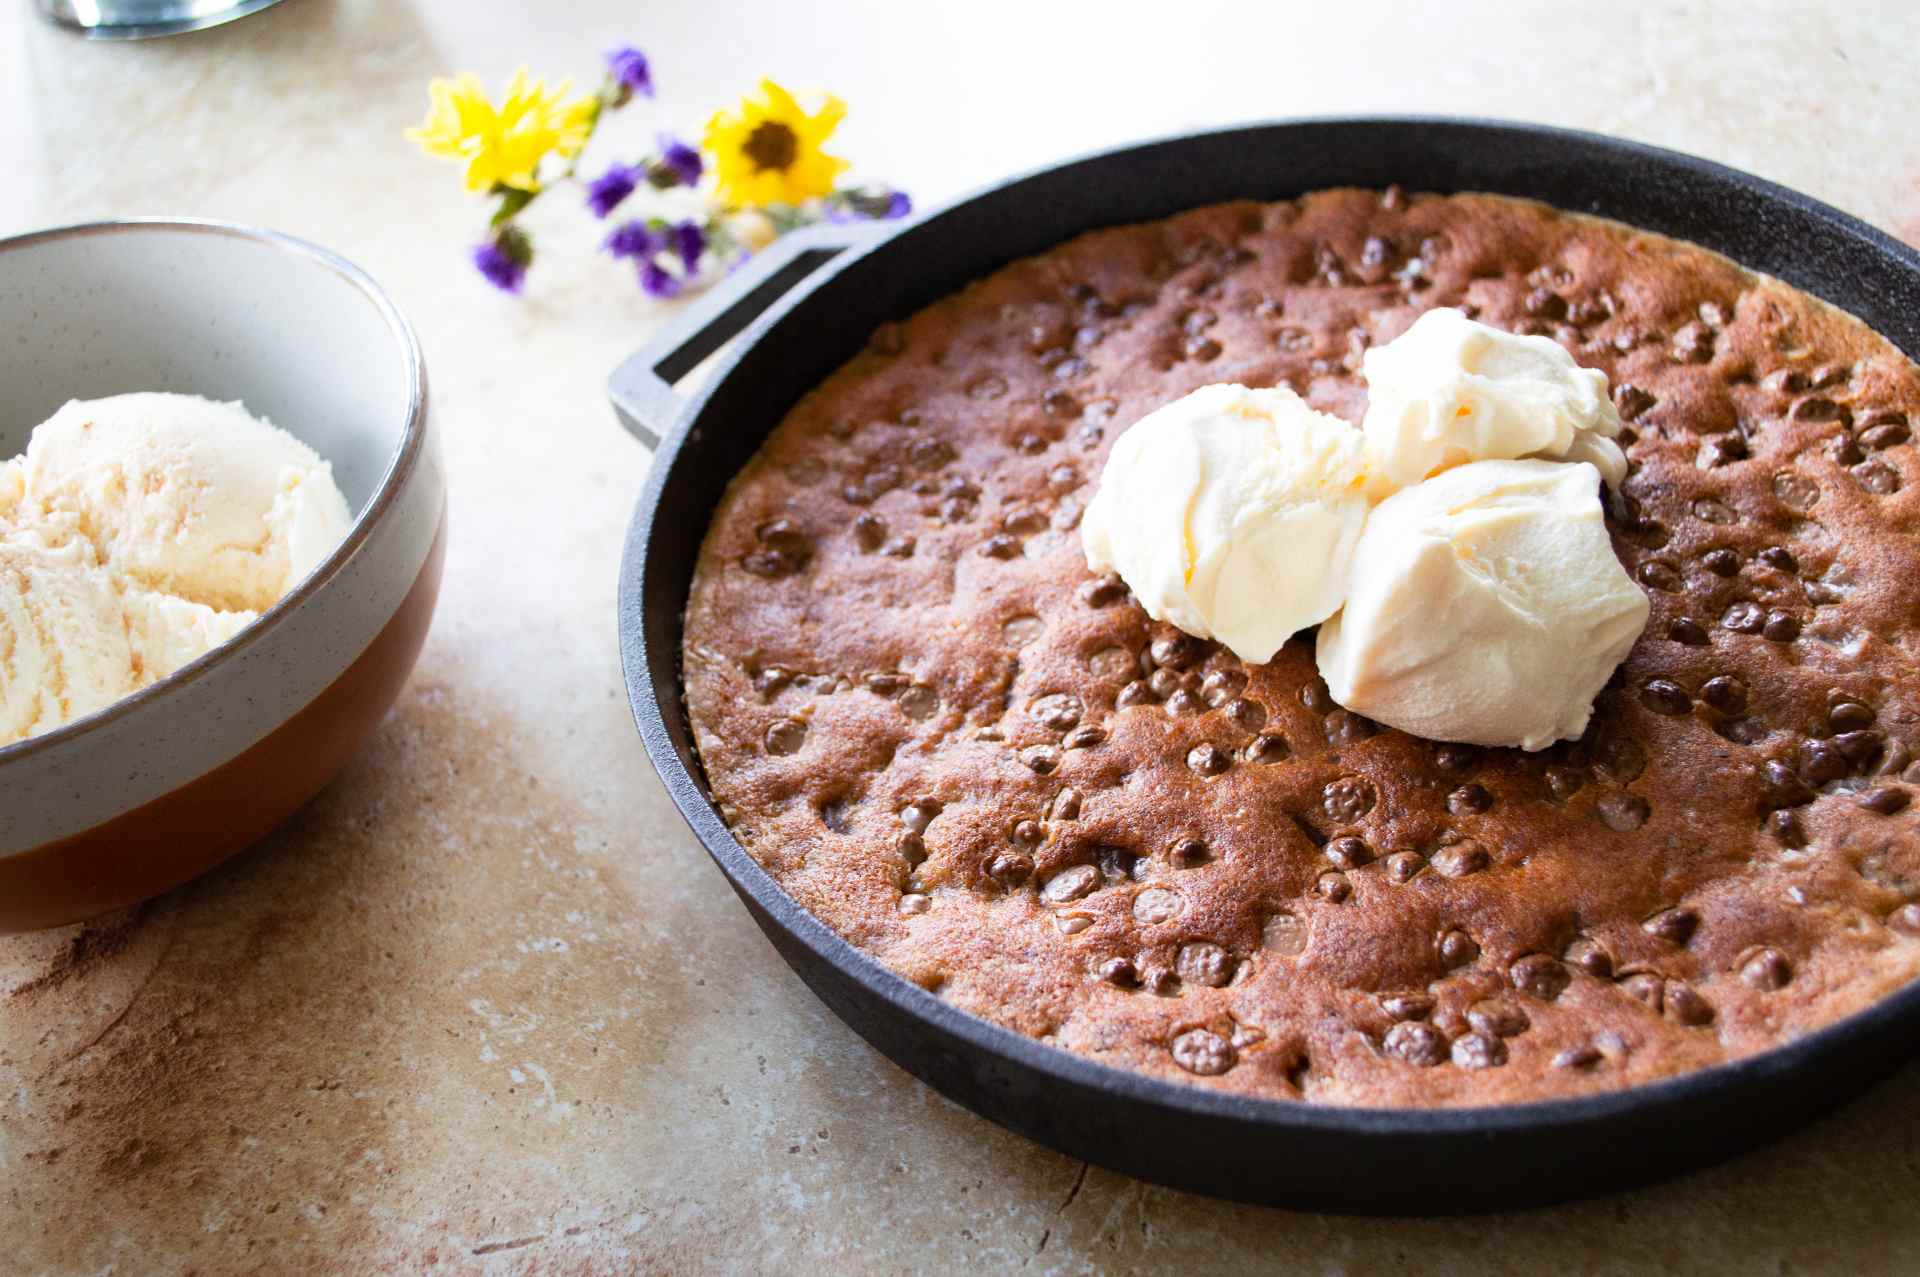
484, 1006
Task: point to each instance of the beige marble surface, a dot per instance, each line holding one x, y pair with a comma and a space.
485, 1006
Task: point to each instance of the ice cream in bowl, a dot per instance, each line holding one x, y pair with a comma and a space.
221, 531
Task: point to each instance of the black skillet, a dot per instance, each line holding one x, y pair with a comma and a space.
809, 303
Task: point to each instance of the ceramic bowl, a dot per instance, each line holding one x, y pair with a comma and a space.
124, 803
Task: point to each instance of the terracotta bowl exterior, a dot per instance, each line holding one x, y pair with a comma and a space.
121, 805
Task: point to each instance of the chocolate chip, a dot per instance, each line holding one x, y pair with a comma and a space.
1818, 408
869, 532
1786, 828
1686, 1005
1540, 975
1041, 759
1066, 805
1177, 651
1103, 591
1885, 800
1183, 703
1347, 728
1137, 692
1646, 987
911, 846
1412, 1042
1205, 964
786, 736
1877, 477
1905, 919
1664, 696
919, 701
1072, 883
1822, 763
1744, 618
1675, 926
1457, 860
1407, 1006
1333, 887
1057, 711
1120, 972
1156, 905
771, 680
1726, 693
1780, 558
1782, 785
1859, 748
1469, 800
1457, 948
1795, 490
1886, 435
1683, 629
1012, 868
1478, 1051
898, 548
1622, 812
1222, 686
1208, 759
1766, 970
1721, 562
1498, 1018
1781, 627
1024, 520
1188, 853
1001, 546
1564, 782
1085, 737
1348, 799
1708, 510
1203, 1052
1268, 748
1315, 696
1404, 866
1583, 1056
913, 902
1591, 957
1164, 682
1348, 852
1850, 716
1658, 574
1248, 716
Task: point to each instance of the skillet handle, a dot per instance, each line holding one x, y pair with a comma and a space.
642, 387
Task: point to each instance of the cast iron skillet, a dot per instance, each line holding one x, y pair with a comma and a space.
820, 293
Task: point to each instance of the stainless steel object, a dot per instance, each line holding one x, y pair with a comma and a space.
143, 19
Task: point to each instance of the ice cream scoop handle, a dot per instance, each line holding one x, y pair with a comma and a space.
642, 387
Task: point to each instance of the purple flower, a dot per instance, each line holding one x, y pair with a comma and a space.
680, 159
504, 259
632, 239
688, 240
605, 192
869, 204
629, 69
656, 281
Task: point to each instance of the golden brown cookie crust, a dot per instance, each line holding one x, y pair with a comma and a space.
944, 737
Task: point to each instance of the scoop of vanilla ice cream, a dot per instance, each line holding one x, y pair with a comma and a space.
166, 632
64, 650
1232, 513
1487, 606
1449, 391
182, 495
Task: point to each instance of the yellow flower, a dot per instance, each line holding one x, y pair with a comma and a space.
768, 151
503, 146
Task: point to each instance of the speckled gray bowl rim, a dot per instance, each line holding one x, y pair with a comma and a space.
405, 457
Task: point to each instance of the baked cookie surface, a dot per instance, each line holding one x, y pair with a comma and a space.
988, 768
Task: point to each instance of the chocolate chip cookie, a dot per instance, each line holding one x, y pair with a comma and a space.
987, 767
